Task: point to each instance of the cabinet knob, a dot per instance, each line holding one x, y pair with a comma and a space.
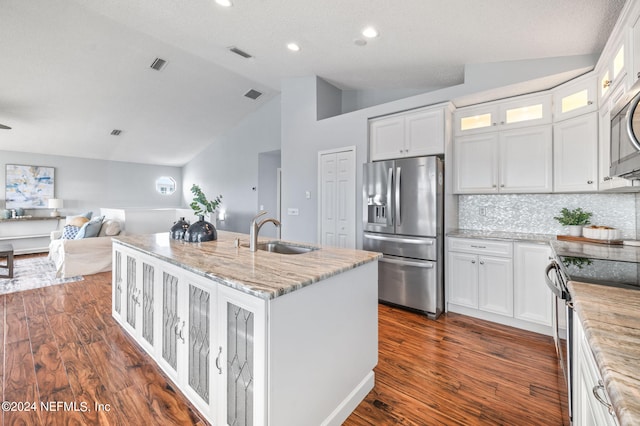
473, 261
494, 185
606, 178
589, 182
482, 262
502, 123
494, 124
606, 84
589, 102
502, 185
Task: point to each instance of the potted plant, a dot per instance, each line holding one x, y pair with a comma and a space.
202, 230
575, 219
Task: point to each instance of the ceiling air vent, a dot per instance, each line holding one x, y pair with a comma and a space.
116, 132
253, 94
239, 52
158, 64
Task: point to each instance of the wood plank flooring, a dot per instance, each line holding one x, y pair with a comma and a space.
61, 345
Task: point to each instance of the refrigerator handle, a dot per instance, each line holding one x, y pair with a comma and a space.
398, 214
389, 192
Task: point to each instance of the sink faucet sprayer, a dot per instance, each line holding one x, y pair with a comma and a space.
255, 228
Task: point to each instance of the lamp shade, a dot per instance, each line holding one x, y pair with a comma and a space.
55, 203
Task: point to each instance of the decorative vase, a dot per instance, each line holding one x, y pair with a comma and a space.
200, 231
178, 229
575, 230
19, 211
6, 214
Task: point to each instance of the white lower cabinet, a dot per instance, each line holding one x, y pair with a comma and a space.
533, 299
499, 281
209, 340
479, 281
591, 405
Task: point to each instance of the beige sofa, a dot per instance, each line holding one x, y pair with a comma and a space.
85, 256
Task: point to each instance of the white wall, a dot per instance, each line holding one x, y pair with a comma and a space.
85, 184
229, 166
303, 136
268, 165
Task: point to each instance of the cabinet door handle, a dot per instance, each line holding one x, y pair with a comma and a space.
589, 182
179, 333
218, 361
600, 399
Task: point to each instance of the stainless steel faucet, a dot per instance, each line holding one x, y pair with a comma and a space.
255, 228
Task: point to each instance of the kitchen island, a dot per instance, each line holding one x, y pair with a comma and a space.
255, 338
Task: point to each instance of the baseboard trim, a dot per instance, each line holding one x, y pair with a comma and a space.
349, 404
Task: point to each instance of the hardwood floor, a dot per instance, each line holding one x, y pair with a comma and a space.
62, 346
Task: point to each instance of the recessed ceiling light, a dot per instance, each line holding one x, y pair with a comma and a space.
370, 32
293, 47
224, 3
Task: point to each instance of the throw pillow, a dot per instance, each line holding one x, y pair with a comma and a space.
86, 215
69, 232
109, 228
91, 228
78, 221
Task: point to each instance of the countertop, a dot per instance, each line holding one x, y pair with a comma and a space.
611, 320
503, 236
262, 274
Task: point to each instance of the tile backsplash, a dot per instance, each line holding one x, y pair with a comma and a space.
533, 213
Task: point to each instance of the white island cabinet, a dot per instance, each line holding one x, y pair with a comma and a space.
252, 338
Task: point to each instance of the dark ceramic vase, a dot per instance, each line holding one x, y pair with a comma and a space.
200, 231
179, 229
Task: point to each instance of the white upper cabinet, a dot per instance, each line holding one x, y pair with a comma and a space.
575, 98
501, 115
614, 71
513, 161
608, 182
409, 134
575, 154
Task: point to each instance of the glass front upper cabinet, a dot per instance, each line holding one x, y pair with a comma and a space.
615, 72
511, 113
575, 98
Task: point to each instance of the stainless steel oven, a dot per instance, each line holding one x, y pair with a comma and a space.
562, 314
625, 135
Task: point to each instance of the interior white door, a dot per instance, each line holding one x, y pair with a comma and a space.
337, 198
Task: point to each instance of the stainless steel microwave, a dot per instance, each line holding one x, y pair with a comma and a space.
625, 135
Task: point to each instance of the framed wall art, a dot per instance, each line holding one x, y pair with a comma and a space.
28, 187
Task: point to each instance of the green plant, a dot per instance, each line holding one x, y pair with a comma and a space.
200, 204
573, 217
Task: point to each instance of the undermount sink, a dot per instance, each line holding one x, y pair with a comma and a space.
285, 248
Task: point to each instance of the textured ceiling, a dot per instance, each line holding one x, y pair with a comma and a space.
74, 70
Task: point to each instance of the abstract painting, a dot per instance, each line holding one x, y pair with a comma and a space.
29, 187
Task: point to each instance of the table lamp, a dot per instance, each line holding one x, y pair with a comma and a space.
55, 204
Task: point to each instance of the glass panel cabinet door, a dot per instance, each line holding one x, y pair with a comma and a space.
170, 319
132, 291
199, 341
240, 368
148, 273
117, 278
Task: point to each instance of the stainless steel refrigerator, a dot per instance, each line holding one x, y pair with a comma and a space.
403, 219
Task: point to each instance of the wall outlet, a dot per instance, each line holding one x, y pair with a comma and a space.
307, 195
292, 211
483, 211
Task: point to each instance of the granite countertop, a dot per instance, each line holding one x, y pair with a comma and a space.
501, 235
622, 253
611, 320
262, 274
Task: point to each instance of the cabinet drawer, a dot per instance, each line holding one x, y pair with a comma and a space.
479, 246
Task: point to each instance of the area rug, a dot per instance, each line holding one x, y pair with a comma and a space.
33, 272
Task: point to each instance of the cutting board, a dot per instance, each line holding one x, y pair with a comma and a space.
587, 240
